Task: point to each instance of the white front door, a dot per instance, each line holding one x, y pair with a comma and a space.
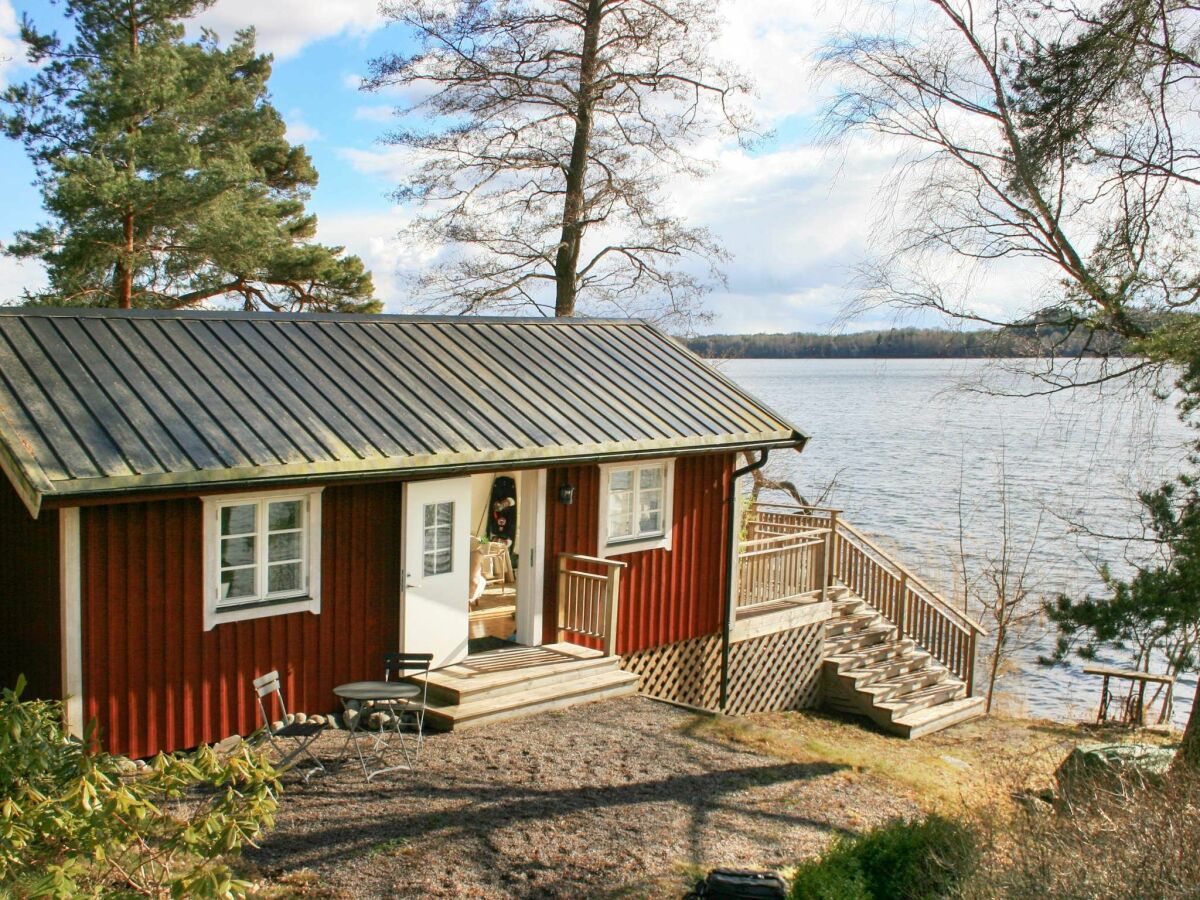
437, 563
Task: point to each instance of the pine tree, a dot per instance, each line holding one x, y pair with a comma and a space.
165, 170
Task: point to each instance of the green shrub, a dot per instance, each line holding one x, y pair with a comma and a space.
925, 858
74, 822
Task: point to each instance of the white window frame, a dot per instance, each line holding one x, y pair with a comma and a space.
307, 599
648, 542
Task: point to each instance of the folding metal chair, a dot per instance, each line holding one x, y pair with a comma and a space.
299, 736
409, 712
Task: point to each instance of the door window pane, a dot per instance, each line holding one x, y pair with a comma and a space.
437, 542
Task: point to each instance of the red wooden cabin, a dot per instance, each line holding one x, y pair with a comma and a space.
194, 498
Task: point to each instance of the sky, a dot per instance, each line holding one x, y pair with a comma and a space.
794, 214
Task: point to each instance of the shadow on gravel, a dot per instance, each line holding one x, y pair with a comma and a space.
359, 819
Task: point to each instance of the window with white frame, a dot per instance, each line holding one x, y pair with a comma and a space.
437, 546
262, 555
635, 508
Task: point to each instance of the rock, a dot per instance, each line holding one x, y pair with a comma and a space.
291, 718
141, 764
277, 725
955, 762
350, 717
229, 745
300, 718
1112, 765
126, 766
316, 720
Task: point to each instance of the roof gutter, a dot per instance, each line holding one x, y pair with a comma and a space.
731, 505
57, 499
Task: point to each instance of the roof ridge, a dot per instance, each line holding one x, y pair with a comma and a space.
101, 312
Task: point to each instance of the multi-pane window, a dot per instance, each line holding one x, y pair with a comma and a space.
637, 500
438, 541
262, 555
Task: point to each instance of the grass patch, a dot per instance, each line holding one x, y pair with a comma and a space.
975, 764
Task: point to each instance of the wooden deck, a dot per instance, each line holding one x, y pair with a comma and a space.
515, 681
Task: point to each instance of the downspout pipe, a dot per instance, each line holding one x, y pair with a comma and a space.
731, 506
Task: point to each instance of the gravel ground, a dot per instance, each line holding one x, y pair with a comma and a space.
614, 798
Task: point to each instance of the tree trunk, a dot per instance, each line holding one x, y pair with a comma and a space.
125, 263
1188, 757
566, 261
125, 267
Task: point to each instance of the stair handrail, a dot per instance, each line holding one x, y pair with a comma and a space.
932, 597
954, 649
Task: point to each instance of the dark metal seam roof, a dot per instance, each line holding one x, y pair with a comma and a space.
101, 402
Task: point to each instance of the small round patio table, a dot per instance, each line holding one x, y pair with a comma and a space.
386, 694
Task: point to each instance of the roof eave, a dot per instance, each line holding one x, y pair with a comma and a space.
74, 493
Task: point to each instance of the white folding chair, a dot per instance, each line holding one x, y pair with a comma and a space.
293, 739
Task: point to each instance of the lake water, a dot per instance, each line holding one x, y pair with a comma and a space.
897, 438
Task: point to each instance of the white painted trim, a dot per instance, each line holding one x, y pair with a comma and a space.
71, 618
658, 542
531, 576
310, 601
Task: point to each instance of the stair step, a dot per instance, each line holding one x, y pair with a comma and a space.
868, 656
859, 640
520, 671
922, 699
894, 667
902, 686
538, 699
935, 718
848, 606
851, 623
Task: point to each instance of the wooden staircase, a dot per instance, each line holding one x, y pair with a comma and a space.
519, 681
871, 670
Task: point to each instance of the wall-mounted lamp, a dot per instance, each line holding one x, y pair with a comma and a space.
566, 494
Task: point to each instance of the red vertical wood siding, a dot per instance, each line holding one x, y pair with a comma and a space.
666, 596
155, 680
30, 642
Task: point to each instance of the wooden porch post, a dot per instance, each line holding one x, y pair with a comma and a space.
560, 605
829, 561
613, 592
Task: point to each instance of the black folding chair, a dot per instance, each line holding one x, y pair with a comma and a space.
409, 712
292, 740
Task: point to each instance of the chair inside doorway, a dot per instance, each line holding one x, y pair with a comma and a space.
493, 607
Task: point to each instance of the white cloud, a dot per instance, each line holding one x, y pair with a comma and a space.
12, 52
285, 27
381, 114
376, 237
390, 165
298, 130
17, 276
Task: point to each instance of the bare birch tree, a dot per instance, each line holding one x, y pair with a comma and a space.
542, 140
998, 581
1058, 133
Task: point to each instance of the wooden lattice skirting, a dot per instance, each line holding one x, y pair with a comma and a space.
774, 672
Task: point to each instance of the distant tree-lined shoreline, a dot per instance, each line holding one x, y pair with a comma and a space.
902, 343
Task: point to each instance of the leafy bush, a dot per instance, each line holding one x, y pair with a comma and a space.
926, 858
75, 822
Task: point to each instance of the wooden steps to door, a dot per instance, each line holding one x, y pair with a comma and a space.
870, 670
519, 681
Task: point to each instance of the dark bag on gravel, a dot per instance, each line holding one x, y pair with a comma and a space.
740, 884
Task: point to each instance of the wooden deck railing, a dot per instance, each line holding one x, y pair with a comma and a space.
917, 610
588, 588
786, 566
